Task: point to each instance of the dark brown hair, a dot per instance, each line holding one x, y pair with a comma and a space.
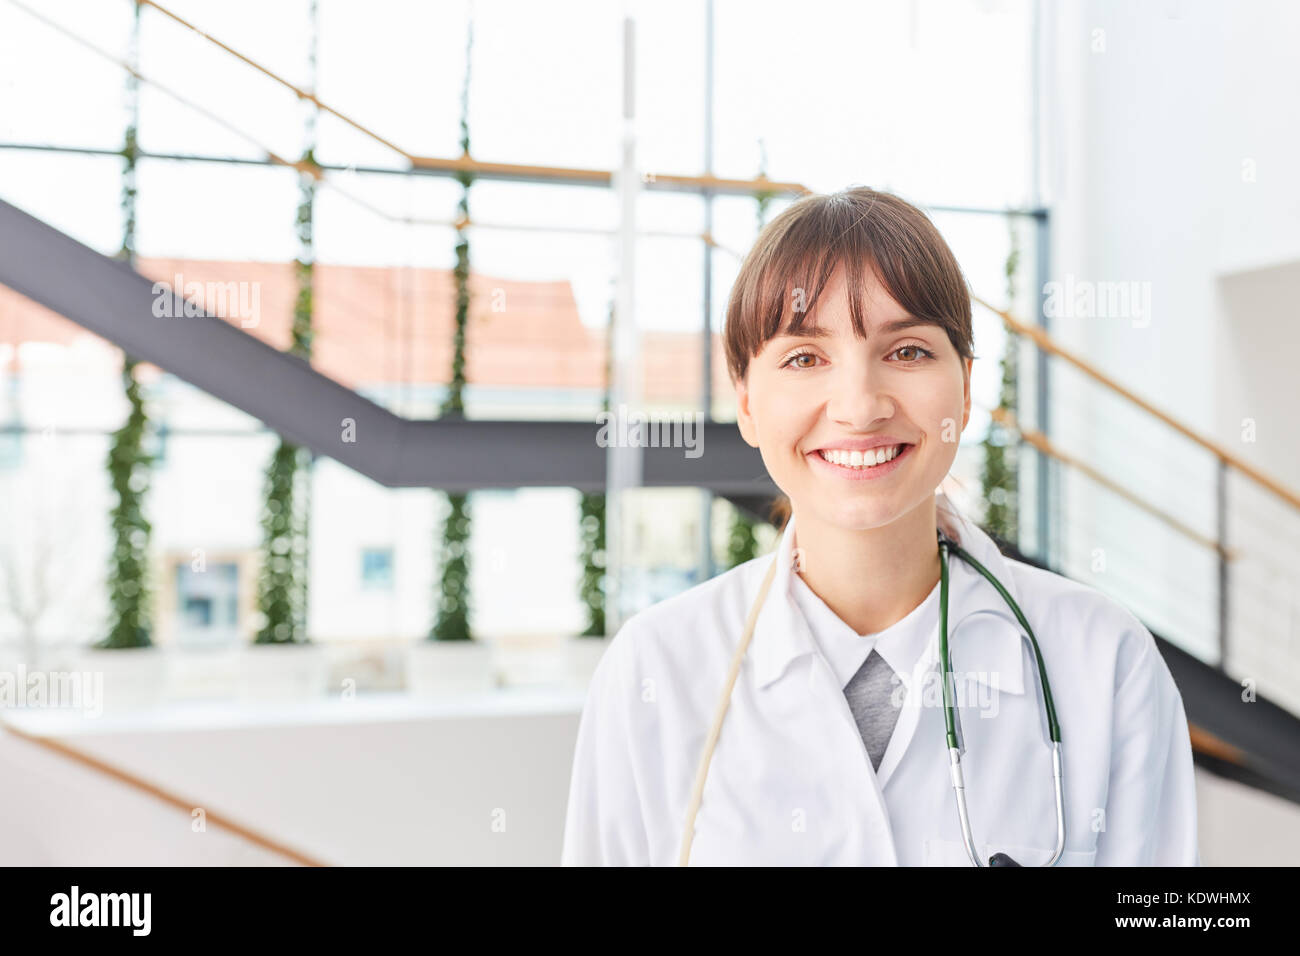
859, 229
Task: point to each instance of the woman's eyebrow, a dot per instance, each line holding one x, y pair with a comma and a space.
908, 322
807, 332
889, 328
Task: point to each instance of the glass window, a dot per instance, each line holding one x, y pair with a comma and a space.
207, 602
377, 568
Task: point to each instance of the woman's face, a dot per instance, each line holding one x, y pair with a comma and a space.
809, 394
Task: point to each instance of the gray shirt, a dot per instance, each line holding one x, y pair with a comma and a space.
873, 669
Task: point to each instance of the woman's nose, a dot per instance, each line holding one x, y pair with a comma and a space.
860, 399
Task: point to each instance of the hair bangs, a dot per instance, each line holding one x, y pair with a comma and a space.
865, 234
796, 278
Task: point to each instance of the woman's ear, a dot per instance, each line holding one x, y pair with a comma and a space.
744, 420
966, 413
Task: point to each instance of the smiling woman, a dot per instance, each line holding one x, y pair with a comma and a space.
848, 338
858, 253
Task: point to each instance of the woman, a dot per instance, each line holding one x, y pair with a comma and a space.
848, 339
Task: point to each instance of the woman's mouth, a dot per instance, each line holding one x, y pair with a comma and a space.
860, 465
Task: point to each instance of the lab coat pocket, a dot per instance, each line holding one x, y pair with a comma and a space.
953, 853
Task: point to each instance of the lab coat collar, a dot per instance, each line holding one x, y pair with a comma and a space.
983, 634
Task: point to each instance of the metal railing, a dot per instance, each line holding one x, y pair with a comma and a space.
1236, 540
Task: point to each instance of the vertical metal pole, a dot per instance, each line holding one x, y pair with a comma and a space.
308, 467
1045, 499
706, 502
623, 459
1035, 105
1221, 505
1047, 543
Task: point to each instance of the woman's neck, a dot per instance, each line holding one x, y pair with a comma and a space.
870, 579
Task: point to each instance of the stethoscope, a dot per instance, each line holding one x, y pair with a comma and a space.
946, 544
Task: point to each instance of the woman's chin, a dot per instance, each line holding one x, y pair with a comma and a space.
860, 515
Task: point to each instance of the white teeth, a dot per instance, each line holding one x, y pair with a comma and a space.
860, 459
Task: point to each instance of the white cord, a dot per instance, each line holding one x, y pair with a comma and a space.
698, 792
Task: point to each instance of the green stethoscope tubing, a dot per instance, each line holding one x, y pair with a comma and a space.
1054, 728
950, 711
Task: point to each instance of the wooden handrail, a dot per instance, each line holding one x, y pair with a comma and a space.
490, 170
301, 93
144, 786
1207, 743
1040, 441
466, 163
1047, 344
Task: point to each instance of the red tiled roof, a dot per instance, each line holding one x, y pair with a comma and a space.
375, 325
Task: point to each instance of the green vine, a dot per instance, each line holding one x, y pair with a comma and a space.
999, 475
591, 531
129, 472
453, 597
129, 588
593, 562
282, 584
452, 623
281, 591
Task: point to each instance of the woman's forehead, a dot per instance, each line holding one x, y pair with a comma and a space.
839, 299
832, 318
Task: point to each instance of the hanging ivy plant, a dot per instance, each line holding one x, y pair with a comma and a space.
280, 594
129, 471
452, 598
282, 580
593, 562
282, 584
999, 476
129, 590
591, 528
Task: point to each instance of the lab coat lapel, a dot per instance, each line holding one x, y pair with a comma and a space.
982, 631
780, 633
974, 606
781, 637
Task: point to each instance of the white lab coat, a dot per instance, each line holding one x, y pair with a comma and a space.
791, 783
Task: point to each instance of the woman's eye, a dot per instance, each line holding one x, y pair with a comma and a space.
794, 360
919, 352
908, 355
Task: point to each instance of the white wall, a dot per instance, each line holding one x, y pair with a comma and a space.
365, 782
1170, 151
